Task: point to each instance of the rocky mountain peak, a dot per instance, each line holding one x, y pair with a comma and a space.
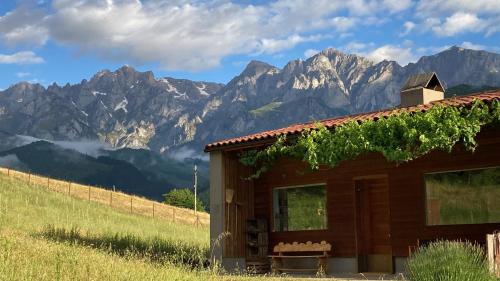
23, 87
331, 52
256, 68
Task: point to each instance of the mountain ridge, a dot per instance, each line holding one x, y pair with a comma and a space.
128, 108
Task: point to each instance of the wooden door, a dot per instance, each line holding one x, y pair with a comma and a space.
373, 225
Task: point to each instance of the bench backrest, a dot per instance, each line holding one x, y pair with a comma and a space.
309, 246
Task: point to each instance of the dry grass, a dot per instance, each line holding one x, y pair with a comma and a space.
118, 200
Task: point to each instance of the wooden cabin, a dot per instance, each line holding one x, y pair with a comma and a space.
373, 212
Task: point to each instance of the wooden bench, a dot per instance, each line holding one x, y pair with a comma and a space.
297, 250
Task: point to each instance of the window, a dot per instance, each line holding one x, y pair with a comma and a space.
463, 197
299, 208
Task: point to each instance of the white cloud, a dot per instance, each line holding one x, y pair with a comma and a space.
310, 52
452, 17
470, 45
188, 35
460, 23
396, 6
26, 57
271, 46
436, 8
356, 47
409, 26
23, 26
403, 55
22, 74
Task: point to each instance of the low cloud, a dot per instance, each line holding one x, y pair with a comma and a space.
10, 161
25, 57
184, 153
88, 147
91, 148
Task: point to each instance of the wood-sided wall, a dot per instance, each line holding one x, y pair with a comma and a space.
240, 208
406, 195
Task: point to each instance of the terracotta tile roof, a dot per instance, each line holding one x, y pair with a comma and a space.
333, 122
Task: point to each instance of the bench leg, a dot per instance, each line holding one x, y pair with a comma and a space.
276, 264
322, 266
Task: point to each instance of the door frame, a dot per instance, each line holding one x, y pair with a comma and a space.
355, 181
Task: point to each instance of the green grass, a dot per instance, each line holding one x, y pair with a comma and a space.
261, 111
49, 236
30, 209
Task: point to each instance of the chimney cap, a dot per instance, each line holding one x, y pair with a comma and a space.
427, 80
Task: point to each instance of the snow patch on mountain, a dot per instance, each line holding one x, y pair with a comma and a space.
122, 105
97, 93
202, 90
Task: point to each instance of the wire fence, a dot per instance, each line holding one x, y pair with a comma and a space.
119, 200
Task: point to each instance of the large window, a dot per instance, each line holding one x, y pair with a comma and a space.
299, 208
463, 197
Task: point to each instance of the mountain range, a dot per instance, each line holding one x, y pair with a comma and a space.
127, 109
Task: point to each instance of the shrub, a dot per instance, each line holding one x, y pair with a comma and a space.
183, 198
449, 261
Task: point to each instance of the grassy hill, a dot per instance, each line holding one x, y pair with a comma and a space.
50, 236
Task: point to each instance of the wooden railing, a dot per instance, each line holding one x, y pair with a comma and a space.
119, 200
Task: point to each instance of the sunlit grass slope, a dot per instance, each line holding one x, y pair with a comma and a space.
49, 236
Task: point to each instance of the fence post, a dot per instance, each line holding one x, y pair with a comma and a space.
8, 172
48, 182
153, 210
89, 192
490, 254
131, 204
69, 188
29, 178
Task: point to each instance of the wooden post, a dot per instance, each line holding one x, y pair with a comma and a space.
48, 182
491, 253
29, 178
153, 209
110, 198
173, 214
69, 188
8, 172
89, 192
131, 204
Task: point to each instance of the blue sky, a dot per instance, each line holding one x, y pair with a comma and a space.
65, 41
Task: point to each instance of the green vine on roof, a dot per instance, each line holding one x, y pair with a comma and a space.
400, 137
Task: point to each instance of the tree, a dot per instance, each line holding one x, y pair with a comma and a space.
184, 198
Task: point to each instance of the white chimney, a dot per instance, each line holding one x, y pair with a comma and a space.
421, 89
